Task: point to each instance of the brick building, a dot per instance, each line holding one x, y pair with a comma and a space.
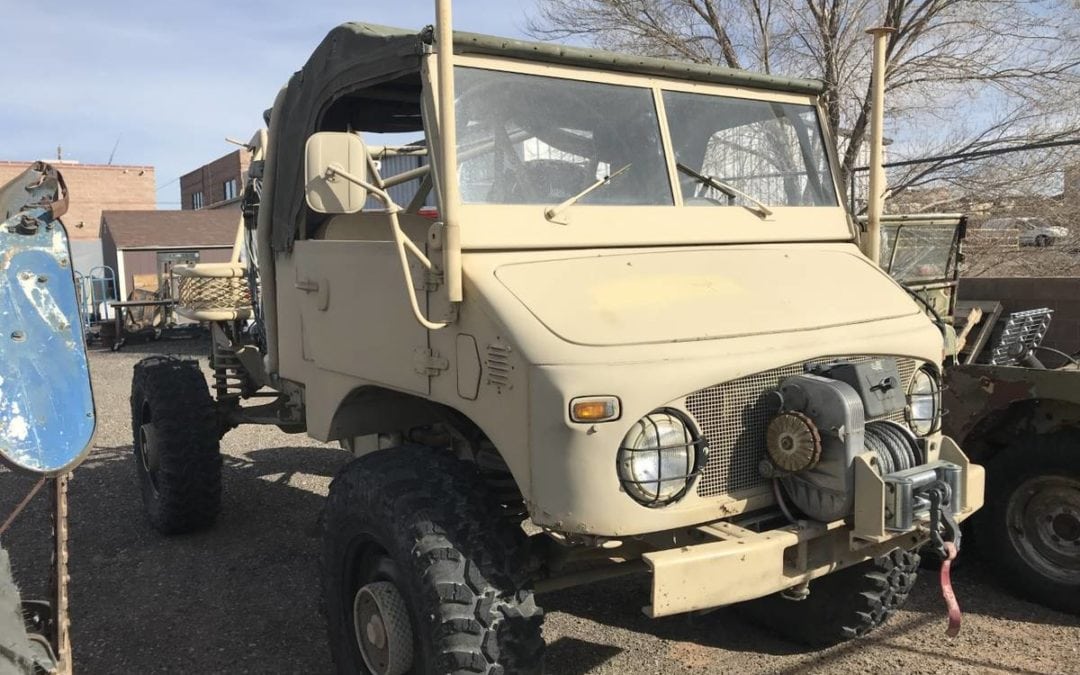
94, 188
217, 184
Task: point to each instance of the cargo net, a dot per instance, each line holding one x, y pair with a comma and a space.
210, 293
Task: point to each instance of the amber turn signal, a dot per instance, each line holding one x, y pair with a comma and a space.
595, 409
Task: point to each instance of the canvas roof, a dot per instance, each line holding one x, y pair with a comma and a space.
204, 228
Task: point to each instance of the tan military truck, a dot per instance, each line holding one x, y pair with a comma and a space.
636, 336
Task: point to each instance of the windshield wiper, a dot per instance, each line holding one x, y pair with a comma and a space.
731, 191
553, 211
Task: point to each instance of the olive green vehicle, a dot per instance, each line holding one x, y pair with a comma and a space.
1015, 405
636, 335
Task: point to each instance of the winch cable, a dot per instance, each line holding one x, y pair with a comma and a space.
778, 493
897, 451
945, 541
951, 605
894, 449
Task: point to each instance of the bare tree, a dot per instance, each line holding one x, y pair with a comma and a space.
961, 74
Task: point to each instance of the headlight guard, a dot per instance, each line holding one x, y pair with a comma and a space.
660, 457
923, 411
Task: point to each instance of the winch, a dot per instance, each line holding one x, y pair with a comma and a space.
820, 428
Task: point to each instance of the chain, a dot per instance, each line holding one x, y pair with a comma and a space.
61, 638
943, 526
60, 576
945, 542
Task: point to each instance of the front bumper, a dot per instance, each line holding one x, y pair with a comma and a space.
739, 564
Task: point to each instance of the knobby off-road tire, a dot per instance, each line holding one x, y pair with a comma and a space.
1029, 528
425, 522
842, 605
175, 443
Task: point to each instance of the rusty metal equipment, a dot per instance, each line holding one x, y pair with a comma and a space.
42, 349
1011, 411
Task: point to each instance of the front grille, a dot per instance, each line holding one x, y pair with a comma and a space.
733, 417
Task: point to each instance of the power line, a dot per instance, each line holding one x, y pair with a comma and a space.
974, 154
168, 184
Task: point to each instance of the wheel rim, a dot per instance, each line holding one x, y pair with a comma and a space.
1043, 522
382, 630
149, 458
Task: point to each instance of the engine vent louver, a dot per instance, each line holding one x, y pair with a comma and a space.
497, 367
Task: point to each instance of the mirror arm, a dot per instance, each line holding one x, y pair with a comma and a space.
400, 239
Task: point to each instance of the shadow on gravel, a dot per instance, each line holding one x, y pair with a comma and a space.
240, 597
980, 592
194, 343
244, 596
618, 604
577, 657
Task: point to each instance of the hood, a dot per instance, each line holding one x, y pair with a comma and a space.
689, 295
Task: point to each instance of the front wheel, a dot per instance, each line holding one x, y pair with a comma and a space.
420, 574
1029, 529
842, 605
176, 434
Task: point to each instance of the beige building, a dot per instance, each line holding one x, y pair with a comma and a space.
142, 246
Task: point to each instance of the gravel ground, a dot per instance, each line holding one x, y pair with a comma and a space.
243, 597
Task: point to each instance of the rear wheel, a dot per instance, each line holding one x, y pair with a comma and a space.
843, 605
1042, 240
1029, 529
176, 435
420, 574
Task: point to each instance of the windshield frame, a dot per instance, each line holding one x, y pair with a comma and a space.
484, 225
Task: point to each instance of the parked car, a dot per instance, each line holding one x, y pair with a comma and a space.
1033, 231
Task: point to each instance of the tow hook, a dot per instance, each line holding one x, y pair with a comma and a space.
945, 542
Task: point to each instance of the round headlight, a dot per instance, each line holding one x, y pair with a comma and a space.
924, 402
659, 458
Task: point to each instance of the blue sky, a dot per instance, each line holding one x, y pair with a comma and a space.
172, 79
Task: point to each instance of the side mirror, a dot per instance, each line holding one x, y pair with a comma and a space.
327, 193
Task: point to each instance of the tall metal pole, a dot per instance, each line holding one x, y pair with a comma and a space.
876, 198
444, 42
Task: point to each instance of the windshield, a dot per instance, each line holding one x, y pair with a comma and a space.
528, 139
771, 152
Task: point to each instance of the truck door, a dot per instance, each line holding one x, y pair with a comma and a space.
355, 314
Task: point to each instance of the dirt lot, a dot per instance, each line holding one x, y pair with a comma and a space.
243, 598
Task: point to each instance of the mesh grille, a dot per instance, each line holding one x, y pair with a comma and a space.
208, 293
733, 417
